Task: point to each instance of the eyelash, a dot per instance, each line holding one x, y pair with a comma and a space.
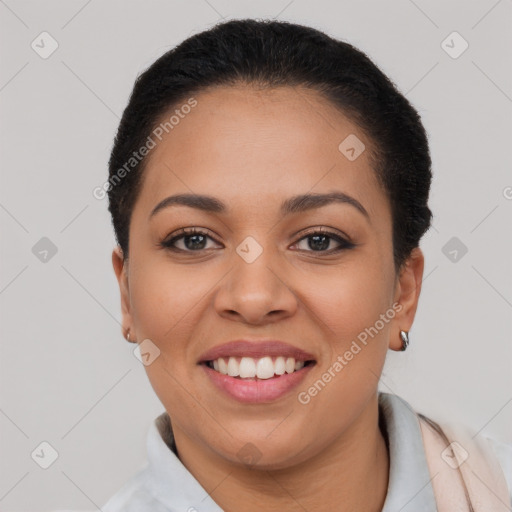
168, 244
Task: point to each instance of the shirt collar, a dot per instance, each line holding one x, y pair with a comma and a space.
409, 488
169, 480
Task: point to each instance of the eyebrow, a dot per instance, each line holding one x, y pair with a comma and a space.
295, 204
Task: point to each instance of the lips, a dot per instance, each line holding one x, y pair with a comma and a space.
254, 391
257, 371
255, 349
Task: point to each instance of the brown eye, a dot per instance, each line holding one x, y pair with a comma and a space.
191, 240
322, 240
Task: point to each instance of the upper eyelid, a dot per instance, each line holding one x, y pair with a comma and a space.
324, 230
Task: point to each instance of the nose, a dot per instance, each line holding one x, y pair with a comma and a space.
256, 292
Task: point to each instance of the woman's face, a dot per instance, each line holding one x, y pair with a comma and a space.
261, 272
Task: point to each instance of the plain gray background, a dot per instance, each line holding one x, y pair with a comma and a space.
67, 375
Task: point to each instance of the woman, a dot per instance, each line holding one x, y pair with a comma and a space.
268, 190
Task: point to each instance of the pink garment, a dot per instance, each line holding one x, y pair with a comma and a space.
466, 467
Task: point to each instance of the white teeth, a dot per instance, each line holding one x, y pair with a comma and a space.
289, 365
247, 367
262, 368
265, 368
223, 366
233, 367
279, 365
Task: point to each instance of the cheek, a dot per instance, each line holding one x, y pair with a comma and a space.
351, 298
165, 304
357, 308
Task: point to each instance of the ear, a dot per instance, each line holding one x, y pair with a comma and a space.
407, 293
120, 268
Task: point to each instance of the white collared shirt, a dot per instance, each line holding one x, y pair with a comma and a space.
165, 484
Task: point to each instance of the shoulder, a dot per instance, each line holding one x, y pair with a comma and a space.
448, 445
484, 463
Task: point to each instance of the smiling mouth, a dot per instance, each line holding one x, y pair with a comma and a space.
250, 368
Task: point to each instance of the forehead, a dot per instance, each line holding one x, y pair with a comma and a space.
246, 145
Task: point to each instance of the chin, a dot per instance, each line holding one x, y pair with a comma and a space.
263, 454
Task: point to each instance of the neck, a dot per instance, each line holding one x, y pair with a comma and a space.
350, 474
